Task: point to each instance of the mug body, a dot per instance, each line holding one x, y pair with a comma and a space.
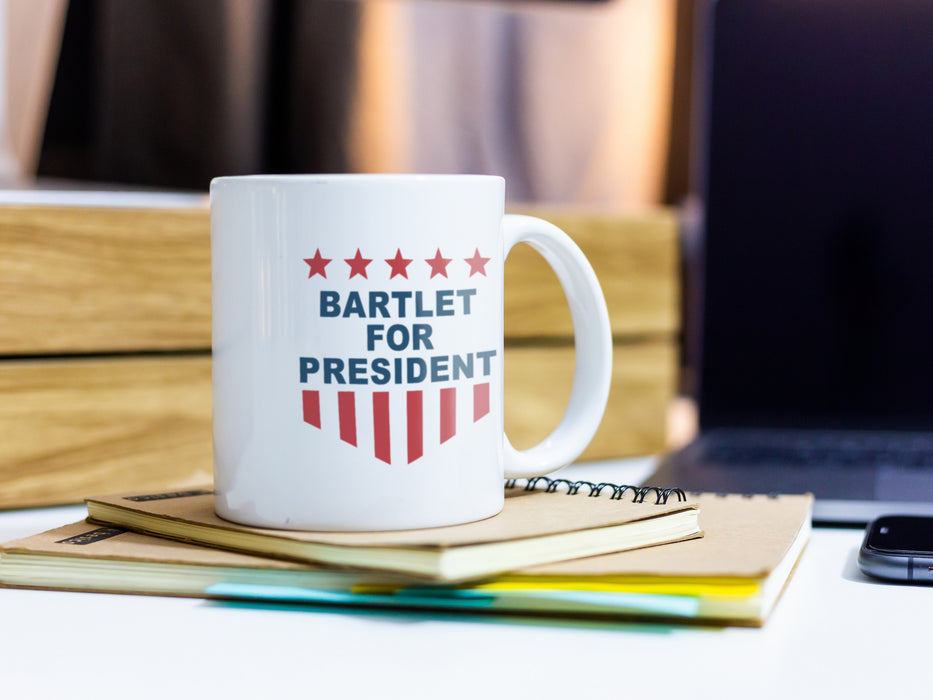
357, 350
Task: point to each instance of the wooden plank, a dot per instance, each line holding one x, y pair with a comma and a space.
84, 279
538, 382
71, 428
635, 257
75, 427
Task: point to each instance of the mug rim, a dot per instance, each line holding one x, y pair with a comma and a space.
354, 178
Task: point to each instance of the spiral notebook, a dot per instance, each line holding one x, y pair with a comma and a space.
734, 574
543, 521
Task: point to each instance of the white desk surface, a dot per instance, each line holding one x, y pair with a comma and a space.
835, 633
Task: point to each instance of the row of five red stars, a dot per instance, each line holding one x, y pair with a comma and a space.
399, 264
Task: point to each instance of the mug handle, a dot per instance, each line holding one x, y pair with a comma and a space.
592, 343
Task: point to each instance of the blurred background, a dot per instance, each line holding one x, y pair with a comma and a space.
573, 102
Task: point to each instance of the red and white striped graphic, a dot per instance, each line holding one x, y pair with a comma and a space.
358, 411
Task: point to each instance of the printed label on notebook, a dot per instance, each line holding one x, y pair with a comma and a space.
92, 536
166, 496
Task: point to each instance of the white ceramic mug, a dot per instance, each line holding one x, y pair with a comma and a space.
358, 349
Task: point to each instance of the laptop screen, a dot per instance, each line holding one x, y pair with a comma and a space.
818, 224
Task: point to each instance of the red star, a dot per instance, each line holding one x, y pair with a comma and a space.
477, 263
358, 264
317, 264
438, 264
398, 264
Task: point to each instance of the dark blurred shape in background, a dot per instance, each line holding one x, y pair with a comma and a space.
172, 93
574, 102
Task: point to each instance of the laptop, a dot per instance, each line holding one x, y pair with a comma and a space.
815, 352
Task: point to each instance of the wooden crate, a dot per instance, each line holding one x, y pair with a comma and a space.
78, 426
105, 345
106, 280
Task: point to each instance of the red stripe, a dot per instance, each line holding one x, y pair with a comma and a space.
480, 400
346, 408
381, 426
448, 413
415, 426
311, 408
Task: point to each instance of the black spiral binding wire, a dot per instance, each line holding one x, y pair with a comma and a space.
618, 490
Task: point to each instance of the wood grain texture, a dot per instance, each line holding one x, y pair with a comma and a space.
86, 280
74, 427
71, 428
635, 257
76, 280
537, 387
81, 279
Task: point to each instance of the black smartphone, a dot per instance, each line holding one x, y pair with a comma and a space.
899, 548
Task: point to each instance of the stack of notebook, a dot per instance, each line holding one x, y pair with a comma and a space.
557, 548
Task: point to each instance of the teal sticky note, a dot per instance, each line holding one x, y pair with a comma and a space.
313, 595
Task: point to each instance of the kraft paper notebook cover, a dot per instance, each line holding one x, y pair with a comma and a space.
739, 568
534, 527
732, 575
